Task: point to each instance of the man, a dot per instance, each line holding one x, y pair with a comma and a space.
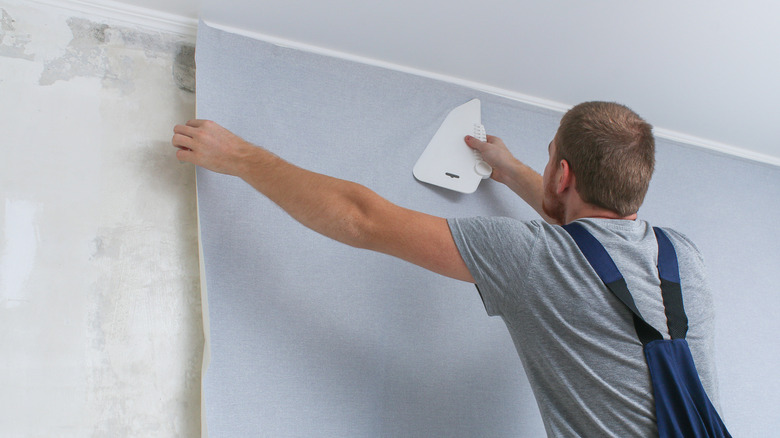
577, 342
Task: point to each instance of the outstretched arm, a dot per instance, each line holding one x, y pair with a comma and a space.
510, 171
339, 209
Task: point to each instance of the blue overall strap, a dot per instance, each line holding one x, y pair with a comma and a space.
669, 274
606, 269
682, 407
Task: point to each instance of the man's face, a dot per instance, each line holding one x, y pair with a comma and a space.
552, 203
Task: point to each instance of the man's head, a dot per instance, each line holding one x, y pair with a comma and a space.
611, 152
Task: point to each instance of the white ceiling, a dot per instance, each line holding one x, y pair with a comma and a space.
704, 69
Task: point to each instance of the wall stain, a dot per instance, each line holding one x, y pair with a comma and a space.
86, 56
184, 68
13, 44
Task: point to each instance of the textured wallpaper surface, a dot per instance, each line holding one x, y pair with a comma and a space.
311, 338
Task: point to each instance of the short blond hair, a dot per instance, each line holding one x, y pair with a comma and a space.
611, 151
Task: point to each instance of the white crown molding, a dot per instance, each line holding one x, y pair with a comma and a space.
128, 14
716, 146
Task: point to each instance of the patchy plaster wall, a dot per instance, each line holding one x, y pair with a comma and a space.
100, 315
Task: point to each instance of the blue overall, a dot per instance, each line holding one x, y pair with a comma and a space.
682, 407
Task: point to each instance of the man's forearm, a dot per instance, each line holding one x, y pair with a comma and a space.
527, 183
510, 171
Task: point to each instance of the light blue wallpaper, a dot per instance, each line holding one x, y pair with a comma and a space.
312, 338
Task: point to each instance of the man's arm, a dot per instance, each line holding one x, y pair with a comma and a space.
508, 170
339, 209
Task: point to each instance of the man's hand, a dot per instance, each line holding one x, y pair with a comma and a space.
508, 170
209, 145
495, 153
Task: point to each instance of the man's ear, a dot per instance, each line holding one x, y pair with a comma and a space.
565, 177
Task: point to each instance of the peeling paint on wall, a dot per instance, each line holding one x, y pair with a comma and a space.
12, 44
111, 53
86, 55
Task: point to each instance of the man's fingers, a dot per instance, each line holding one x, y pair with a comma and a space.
189, 131
195, 123
189, 138
473, 142
182, 141
184, 155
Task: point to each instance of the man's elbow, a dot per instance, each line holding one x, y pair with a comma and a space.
359, 224
354, 230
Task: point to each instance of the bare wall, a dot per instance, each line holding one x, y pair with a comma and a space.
100, 309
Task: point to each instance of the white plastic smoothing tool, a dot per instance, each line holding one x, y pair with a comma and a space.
447, 161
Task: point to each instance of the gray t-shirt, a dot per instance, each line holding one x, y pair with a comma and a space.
576, 340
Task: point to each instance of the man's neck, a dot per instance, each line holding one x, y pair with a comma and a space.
591, 211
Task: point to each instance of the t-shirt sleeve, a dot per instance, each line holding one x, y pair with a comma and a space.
496, 251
